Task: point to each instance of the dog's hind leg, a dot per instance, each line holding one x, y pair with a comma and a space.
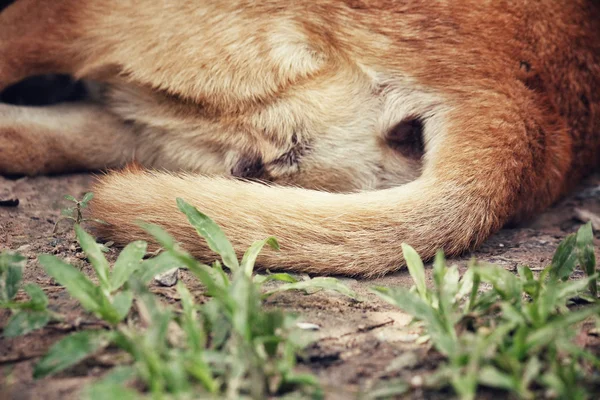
62, 138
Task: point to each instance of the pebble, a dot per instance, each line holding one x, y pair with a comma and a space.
168, 278
308, 326
416, 381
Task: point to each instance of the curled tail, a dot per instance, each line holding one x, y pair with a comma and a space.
324, 233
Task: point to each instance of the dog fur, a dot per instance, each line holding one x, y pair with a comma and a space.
365, 123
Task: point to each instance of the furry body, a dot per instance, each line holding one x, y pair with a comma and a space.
375, 122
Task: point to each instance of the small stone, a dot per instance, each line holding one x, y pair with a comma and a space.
416, 381
308, 326
168, 278
501, 245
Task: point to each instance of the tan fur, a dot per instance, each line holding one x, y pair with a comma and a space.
311, 94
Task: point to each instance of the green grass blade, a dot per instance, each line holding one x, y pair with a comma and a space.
390, 390
14, 274
37, 298
212, 233
474, 291
532, 372
220, 275
94, 254
161, 236
251, 254
11, 273
548, 333
416, 269
76, 283
128, 262
86, 199
492, 377
179, 257
196, 337
564, 259
156, 266
70, 351
465, 284
108, 391
421, 310
243, 295
439, 268
281, 277
24, 322
119, 375
525, 273
406, 300
200, 370
505, 283
569, 289
586, 256
122, 304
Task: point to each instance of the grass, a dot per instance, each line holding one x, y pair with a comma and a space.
510, 332
26, 316
515, 337
228, 347
75, 212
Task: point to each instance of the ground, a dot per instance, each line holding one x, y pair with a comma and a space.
356, 341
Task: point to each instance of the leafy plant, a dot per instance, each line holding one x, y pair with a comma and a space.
75, 212
517, 336
229, 346
105, 300
26, 316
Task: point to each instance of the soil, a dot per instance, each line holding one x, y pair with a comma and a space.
356, 342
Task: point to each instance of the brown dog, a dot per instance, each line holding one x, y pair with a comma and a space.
377, 121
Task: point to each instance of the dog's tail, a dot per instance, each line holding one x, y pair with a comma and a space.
325, 233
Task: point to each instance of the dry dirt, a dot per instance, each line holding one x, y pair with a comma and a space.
356, 341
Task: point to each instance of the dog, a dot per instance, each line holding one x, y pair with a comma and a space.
342, 127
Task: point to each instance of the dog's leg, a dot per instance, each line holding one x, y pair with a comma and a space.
62, 138
482, 168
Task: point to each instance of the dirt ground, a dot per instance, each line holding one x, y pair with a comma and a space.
356, 341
